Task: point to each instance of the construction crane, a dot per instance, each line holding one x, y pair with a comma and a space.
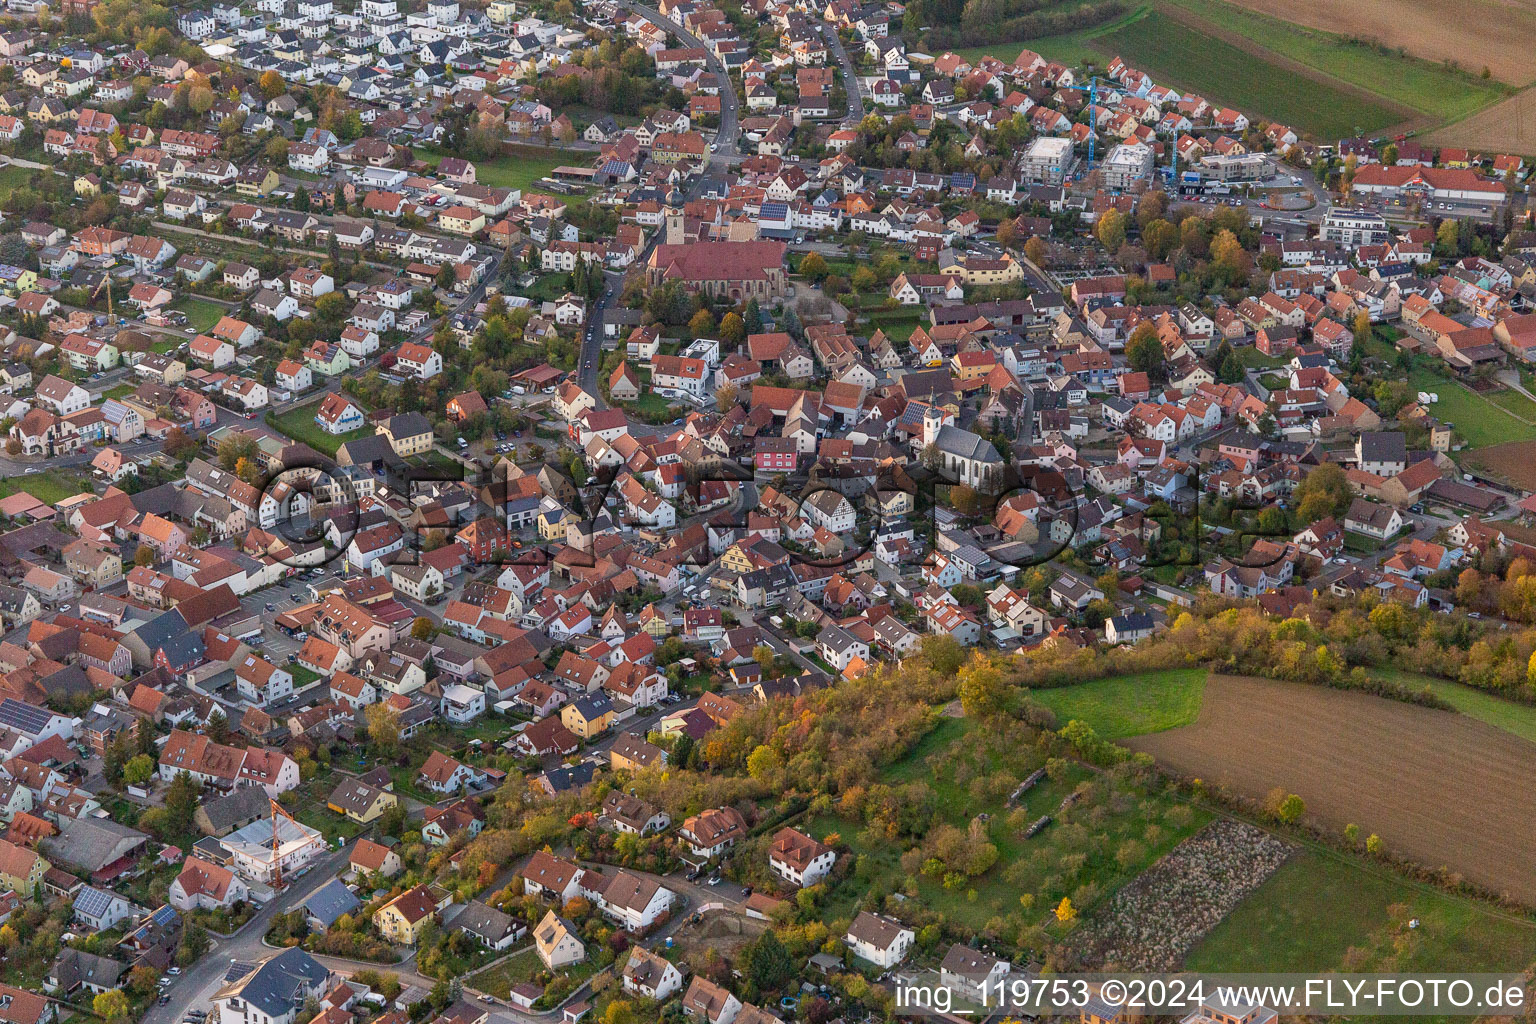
1092, 89
277, 864
106, 282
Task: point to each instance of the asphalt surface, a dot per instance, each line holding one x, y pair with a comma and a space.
850, 77
196, 986
730, 127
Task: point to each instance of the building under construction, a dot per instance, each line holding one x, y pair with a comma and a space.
273, 848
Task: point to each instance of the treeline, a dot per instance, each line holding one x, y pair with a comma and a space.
973, 31
1342, 643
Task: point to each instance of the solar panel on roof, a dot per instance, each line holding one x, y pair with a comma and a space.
23, 717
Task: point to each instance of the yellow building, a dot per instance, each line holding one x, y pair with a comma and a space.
360, 802
402, 919
591, 716
461, 220
409, 433
249, 184
21, 870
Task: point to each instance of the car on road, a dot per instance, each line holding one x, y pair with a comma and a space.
190, 330
271, 607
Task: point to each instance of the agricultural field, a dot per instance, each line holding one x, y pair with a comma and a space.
1263, 83
1511, 716
1431, 89
1439, 788
1077, 49
1319, 906
1122, 706
1513, 462
1422, 28
1478, 419
1506, 127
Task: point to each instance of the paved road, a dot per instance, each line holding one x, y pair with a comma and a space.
197, 985
850, 77
730, 129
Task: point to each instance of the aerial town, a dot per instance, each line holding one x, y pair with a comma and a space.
546, 511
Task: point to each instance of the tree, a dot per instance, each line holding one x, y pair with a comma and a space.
1159, 238
764, 656
111, 1005
1227, 251
194, 944
980, 688
1066, 913
701, 323
753, 319
144, 556
1448, 237
733, 329
814, 267
181, 801
1144, 350
765, 764
1352, 834
1325, 491
769, 966
1035, 251
143, 980
139, 770
1110, 229
726, 397
383, 728
272, 84
1362, 327
1373, 845
1291, 809
423, 628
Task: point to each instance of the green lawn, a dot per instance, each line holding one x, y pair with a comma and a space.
119, 391
652, 404
1179, 56
314, 813
1253, 359
1424, 86
1478, 420
201, 313
1508, 715
49, 486
302, 676
1073, 48
1320, 905
520, 169
12, 178
1122, 706
299, 424
514, 970
1515, 403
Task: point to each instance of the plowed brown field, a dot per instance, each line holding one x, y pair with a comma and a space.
1463, 32
1440, 788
